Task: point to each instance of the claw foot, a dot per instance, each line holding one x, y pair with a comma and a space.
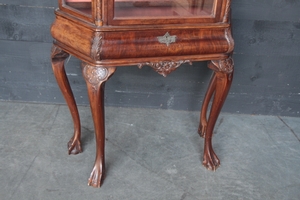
210, 160
202, 129
74, 146
96, 177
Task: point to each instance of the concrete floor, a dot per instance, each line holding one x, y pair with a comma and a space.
150, 154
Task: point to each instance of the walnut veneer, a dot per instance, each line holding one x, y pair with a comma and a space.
105, 34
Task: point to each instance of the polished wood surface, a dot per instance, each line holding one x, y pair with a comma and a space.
58, 57
91, 32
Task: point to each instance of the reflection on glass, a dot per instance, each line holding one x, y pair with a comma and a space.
83, 6
163, 8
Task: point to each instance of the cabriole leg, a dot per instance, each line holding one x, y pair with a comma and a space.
221, 82
210, 91
95, 79
58, 56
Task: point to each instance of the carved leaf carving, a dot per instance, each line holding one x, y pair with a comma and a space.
225, 65
165, 67
95, 75
96, 46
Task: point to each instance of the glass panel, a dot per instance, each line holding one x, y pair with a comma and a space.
163, 8
83, 6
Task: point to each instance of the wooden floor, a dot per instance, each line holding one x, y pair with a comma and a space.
267, 57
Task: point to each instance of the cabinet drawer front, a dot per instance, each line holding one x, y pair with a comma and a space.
158, 43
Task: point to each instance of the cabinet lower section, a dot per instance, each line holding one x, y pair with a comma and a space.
129, 46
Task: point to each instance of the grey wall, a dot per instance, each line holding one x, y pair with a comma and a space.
267, 57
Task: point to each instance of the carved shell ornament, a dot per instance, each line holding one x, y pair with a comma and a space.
95, 75
164, 67
225, 65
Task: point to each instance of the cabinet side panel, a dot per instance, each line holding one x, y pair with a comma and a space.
77, 38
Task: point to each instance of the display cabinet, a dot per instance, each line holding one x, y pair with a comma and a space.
162, 34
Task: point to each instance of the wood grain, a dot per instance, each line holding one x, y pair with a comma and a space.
254, 91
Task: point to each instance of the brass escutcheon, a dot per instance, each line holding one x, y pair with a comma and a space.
167, 39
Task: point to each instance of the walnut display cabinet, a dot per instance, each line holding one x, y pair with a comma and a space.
162, 34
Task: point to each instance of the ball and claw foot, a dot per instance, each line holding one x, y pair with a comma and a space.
74, 146
202, 129
211, 160
96, 178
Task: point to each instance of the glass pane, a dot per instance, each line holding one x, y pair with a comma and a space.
163, 8
83, 6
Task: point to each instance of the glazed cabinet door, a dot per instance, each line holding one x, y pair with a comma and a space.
141, 12
80, 8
